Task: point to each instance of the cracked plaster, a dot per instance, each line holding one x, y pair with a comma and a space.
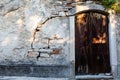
18, 21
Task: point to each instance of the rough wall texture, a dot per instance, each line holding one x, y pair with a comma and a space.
20, 41
13, 44
30, 37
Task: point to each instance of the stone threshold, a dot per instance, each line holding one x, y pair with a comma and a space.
100, 76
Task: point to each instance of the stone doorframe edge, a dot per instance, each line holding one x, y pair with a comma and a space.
112, 45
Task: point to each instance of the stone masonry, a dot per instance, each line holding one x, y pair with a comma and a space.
35, 37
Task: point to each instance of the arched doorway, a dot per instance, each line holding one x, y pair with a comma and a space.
92, 42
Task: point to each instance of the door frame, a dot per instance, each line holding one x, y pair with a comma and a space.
112, 41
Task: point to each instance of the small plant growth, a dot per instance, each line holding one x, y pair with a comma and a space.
111, 4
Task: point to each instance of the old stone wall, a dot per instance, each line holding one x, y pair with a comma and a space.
34, 38
26, 28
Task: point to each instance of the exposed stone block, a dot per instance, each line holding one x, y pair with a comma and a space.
56, 51
32, 54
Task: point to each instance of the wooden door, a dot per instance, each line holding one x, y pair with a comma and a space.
91, 43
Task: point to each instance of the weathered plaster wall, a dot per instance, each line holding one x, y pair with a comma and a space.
30, 37
13, 44
27, 30
19, 20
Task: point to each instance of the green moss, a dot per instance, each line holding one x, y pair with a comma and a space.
111, 4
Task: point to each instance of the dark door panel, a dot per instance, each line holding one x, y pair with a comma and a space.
91, 43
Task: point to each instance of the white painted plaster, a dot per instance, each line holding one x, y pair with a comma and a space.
112, 40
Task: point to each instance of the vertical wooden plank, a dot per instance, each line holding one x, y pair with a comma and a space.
91, 54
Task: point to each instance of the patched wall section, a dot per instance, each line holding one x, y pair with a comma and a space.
27, 26
49, 34
34, 33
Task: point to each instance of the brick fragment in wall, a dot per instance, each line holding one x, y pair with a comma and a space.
57, 51
43, 53
32, 54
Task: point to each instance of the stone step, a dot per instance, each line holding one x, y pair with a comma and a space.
29, 78
98, 77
